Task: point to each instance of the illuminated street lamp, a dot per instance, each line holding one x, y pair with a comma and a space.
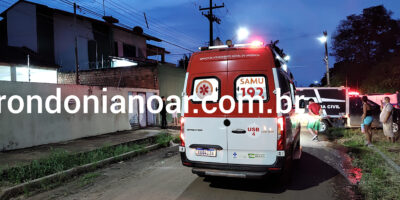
286, 58
242, 34
324, 39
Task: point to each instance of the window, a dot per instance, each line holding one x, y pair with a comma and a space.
36, 75
129, 50
22, 74
43, 75
285, 87
292, 92
283, 83
251, 86
5, 73
204, 86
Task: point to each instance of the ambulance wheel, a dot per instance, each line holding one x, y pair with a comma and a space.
284, 177
324, 125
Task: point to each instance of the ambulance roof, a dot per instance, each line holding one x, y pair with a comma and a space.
232, 59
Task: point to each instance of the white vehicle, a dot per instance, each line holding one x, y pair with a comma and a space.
342, 107
242, 145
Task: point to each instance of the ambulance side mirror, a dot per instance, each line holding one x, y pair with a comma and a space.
302, 104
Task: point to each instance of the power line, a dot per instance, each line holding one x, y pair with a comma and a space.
94, 13
157, 31
160, 32
155, 20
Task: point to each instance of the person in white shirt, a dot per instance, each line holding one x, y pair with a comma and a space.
387, 119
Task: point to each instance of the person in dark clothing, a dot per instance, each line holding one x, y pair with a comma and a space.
163, 114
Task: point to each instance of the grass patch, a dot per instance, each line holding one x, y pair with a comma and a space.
337, 133
88, 178
379, 180
60, 160
164, 139
177, 139
392, 150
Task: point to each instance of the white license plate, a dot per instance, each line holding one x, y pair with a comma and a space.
206, 152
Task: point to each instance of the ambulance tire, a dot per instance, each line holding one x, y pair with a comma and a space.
324, 126
285, 176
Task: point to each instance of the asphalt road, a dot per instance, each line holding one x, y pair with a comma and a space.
160, 175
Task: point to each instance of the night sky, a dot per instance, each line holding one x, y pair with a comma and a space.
295, 23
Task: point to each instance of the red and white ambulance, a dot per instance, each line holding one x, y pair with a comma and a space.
235, 144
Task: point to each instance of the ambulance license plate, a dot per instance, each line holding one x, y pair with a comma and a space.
206, 152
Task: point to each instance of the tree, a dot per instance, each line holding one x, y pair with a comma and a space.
363, 45
184, 61
368, 37
385, 77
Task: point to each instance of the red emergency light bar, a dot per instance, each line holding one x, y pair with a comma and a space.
253, 44
354, 93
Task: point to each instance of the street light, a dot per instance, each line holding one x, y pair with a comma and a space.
242, 34
324, 39
286, 58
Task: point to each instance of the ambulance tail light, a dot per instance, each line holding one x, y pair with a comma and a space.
281, 133
182, 133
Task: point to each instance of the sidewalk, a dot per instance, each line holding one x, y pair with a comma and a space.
25, 156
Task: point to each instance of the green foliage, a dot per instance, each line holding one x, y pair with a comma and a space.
88, 178
337, 133
379, 180
367, 49
367, 37
164, 139
384, 77
177, 139
60, 160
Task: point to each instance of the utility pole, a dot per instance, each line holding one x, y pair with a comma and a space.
29, 69
211, 18
76, 49
326, 59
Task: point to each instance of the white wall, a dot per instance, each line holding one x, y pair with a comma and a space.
64, 39
27, 130
21, 26
128, 38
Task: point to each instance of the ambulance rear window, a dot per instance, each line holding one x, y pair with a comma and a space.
251, 86
205, 86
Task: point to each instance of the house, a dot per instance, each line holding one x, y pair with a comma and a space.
50, 33
37, 44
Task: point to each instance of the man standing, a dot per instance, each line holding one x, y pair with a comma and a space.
163, 114
387, 120
314, 111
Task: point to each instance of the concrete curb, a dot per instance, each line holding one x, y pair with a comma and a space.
67, 174
387, 159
